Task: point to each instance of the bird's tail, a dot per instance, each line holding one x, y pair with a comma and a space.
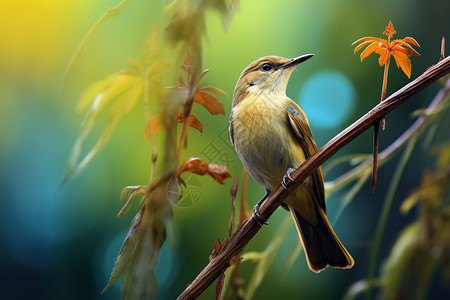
322, 246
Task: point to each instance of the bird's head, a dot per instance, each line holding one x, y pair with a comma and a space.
269, 74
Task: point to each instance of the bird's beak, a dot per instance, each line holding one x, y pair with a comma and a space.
295, 61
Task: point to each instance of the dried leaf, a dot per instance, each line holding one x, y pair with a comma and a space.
209, 102
219, 285
216, 249
191, 121
194, 165
214, 90
155, 124
233, 193
188, 65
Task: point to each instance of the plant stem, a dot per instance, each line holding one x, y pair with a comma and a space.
381, 227
149, 129
418, 126
376, 126
385, 76
244, 210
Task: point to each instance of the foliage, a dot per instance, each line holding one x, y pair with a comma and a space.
121, 92
173, 103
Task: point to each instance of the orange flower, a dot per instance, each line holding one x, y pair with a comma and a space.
399, 49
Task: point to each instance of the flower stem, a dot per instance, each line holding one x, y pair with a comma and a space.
376, 127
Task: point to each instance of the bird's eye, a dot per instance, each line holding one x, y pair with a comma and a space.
266, 67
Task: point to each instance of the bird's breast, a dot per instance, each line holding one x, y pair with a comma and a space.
263, 140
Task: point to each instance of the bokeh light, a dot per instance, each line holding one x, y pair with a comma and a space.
327, 98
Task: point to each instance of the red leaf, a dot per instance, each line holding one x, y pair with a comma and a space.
209, 102
219, 285
155, 124
194, 165
233, 192
214, 90
216, 250
188, 64
191, 121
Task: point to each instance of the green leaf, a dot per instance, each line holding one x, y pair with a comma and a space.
134, 191
139, 254
127, 250
398, 262
74, 167
110, 13
265, 259
360, 287
353, 159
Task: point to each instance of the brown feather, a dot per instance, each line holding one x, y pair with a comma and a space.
300, 125
322, 246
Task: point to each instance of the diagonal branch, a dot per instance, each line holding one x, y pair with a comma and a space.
419, 125
249, 228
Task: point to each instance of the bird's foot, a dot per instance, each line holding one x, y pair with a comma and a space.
286, 176
257, 217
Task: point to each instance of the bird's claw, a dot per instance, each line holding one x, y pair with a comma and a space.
286, 176
257, 217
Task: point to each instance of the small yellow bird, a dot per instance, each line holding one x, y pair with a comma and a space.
271, 135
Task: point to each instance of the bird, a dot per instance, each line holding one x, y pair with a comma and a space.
272, 137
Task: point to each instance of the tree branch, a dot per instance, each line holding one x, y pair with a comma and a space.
249, 228
418, 126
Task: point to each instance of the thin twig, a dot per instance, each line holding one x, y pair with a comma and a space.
249, 228
111, 12
383, 156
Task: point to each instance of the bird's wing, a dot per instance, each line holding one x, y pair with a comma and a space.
299, 124
231, 129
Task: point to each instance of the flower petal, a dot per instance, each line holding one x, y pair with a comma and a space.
412, 41
402, 62
404, 47
383, 56
367, 38
357, 48
371, 48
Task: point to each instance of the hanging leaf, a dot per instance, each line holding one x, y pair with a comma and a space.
214, 90
209, 102
191, 121
75, 165
188, 64
216, 249
194, 165
156, 124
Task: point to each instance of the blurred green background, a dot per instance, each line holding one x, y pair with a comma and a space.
60, 241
